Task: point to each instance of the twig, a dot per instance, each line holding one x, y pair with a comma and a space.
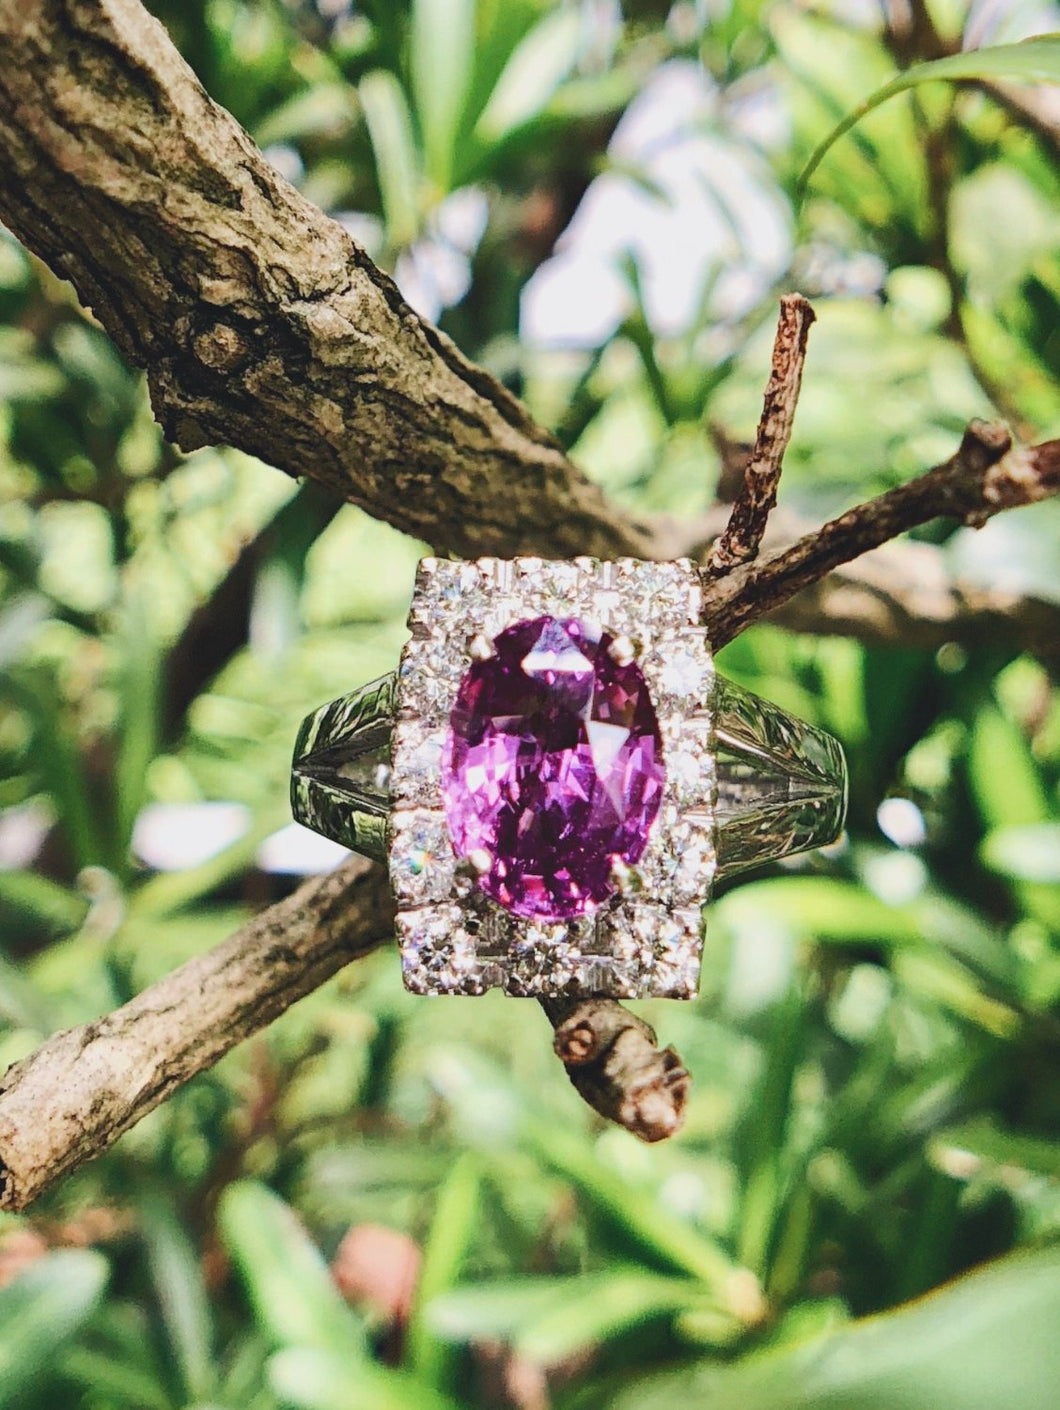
261, 325
903, 593
72, 1098
758, 491
615, 1064
983, 477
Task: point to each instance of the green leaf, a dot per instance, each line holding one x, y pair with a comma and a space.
113, 1381
766, 1130
600, 1309
138, 685
457, 1216
981, 1146
20, 1002
548, 1319
322, 110
58, 763
1004, 777
830, 911
287, 1280
386, 112
640, 1218
41, 1310
531, 76
442, 45
499, 1308
1027, 853
181, 1292
311, 1378
54, 907
1010, 793
243, 1378
984, 1342
937, 976
1031, 61
823, 908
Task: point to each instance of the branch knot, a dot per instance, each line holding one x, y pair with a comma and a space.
612, 1059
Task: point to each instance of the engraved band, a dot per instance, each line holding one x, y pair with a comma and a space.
781, 783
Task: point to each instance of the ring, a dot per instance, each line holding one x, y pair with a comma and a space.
556, 777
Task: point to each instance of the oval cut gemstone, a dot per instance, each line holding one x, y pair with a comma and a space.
552, 767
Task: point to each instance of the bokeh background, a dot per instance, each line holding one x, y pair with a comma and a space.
392, 1204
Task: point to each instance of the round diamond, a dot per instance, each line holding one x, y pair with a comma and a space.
421, 860
552, 767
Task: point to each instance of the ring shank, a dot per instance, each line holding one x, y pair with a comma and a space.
340, 777
781, 783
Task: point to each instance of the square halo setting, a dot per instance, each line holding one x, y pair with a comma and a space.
645, 941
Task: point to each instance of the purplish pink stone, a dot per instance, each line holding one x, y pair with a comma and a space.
552, 767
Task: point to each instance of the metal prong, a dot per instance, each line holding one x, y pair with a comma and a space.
622, 651
479, 860
627, 880
480, 648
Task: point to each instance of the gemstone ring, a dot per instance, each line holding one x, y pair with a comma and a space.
556, 777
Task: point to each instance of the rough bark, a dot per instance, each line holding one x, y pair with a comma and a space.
985, 475
73, 1097
616, 1065
258, 320
260, 323
902, 593
757, 489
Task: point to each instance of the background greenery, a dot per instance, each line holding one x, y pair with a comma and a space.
876, 1051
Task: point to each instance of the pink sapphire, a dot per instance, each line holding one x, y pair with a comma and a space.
552, 766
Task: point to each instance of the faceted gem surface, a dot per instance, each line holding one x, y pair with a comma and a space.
552, 767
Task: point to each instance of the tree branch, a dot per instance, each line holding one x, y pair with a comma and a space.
903, 593
984, 476
612, 1058
758, 490
259, 322
71, 1099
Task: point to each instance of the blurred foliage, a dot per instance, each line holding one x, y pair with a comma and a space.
876, 1048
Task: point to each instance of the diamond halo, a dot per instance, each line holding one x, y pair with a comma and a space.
646, 939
